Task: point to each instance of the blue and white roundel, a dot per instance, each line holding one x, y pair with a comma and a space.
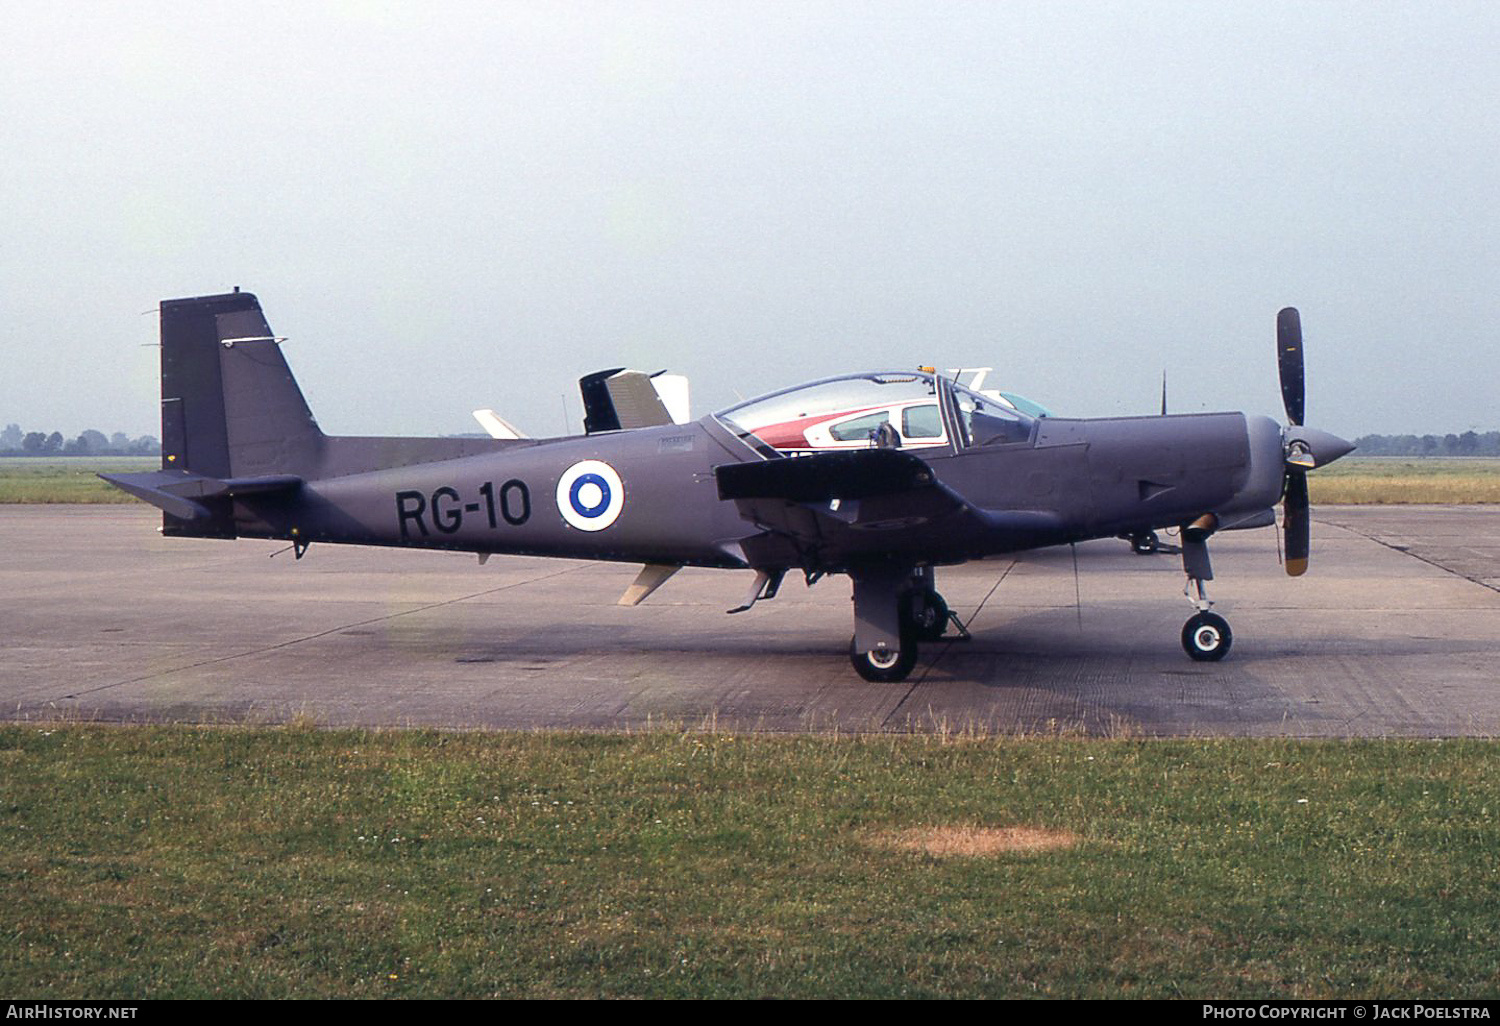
590, 495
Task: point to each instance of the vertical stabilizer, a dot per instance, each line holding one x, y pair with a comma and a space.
230, 407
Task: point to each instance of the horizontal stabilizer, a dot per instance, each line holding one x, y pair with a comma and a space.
179, 493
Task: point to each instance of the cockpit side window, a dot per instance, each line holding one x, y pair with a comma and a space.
922, 421
860, 428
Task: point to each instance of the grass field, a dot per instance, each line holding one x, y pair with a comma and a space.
1375, 479
27, 479
173, 862
1353, 479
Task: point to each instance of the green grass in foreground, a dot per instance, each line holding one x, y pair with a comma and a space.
26, 479
173, 862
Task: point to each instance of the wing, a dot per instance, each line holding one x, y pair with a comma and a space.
840, 507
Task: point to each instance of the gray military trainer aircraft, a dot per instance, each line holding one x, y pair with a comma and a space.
945, 475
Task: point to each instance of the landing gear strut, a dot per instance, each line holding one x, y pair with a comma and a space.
1206, 636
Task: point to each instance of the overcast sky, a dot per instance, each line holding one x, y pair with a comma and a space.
448, 206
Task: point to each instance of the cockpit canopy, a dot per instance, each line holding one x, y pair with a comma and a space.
847, 412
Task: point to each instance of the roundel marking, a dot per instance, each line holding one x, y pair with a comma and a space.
590, 495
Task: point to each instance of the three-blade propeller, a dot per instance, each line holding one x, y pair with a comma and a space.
1305, 448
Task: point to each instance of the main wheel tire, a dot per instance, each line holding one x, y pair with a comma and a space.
1207, 637
884, 666
1144, 544
925, 615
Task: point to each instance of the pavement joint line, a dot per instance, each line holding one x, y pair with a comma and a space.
1406, 551
944, 650
321, 634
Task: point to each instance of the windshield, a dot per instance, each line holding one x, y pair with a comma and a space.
1030, 407
985, 421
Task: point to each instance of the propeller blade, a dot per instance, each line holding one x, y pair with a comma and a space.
1289, 363
1296, 523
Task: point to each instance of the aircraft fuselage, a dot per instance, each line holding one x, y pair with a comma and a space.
1082, 478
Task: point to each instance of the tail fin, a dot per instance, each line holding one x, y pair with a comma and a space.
234, 425
230, 407
233, 421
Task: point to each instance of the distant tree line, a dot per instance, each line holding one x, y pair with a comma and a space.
1470, 443
15, 442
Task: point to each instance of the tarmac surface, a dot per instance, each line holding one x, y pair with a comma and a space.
1394, 631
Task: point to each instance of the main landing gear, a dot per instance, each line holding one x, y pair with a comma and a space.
895, 609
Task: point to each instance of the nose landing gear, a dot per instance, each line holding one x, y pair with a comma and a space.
1206, 636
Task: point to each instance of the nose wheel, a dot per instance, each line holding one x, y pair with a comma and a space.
1206, 637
